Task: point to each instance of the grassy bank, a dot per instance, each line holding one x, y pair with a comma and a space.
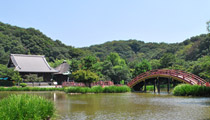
26, 107
29, 89
98, 89
191, 90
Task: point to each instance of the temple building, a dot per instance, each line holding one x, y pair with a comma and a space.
63, 74
32, 64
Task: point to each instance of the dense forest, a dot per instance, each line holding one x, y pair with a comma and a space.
190, 50
18, 40
115, 60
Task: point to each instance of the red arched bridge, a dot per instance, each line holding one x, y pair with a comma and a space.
173, 74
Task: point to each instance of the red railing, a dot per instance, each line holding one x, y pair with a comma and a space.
101, 83
176, 74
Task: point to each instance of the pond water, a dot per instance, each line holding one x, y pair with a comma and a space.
126, 106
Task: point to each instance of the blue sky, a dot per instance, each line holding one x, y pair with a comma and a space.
88, 22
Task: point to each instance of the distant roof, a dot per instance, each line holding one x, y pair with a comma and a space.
31, 63
63, 68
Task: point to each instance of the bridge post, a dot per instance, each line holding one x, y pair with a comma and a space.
174, 83
158, 87
168, 86
154, 85
145, 86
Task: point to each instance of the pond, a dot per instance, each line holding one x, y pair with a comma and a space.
126, 106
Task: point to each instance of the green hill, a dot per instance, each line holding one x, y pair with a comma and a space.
18, 40
190, 49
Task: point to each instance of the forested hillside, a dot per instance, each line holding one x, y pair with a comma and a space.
116, 60
191, 49
18, 40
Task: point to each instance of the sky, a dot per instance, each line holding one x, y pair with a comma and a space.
82, 23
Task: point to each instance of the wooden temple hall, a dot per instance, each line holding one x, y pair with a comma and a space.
37, 64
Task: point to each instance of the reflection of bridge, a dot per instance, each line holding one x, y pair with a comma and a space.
171, 74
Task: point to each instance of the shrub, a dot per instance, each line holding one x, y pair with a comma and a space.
194, 90
98, 89
26, 107
30, 89
23, 84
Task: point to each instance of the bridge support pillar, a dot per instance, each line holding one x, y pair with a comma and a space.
174, 83
168, 85
145, 86
154, 85
158, 86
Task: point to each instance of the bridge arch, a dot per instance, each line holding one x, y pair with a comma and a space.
178, 75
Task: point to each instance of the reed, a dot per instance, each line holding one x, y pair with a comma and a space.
26, 107
191, 90
30, 89
98, 89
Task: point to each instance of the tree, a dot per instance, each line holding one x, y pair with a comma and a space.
33, 78
10, 73
74, 66
85, 76
57, 62
155, 63
167, 60
142, 67
88, 62
208, 26
202, 67
115, 68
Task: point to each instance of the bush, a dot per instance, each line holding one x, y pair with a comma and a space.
23, 84
98, 89
26, 107
193, 90
30, 89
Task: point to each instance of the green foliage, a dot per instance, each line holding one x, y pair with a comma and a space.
29, 89
115, 68
74, 66
193, 90
167, 60
98, 89
23, 84
26, 107
33, 78
208, 26
18, 40
116, 89
57, 62
10, 73
155, 64
85, 76
122, 82
88, 61
202, 67
142, 67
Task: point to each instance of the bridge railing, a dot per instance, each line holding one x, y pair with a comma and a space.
188, 77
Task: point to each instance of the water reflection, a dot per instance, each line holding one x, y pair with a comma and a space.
126, 106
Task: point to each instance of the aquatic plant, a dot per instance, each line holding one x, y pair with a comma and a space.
193, 90
98, 89
26, 107
29, 89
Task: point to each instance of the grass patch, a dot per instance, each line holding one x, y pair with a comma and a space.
98, 89
26, 107
29, 89
191, 90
